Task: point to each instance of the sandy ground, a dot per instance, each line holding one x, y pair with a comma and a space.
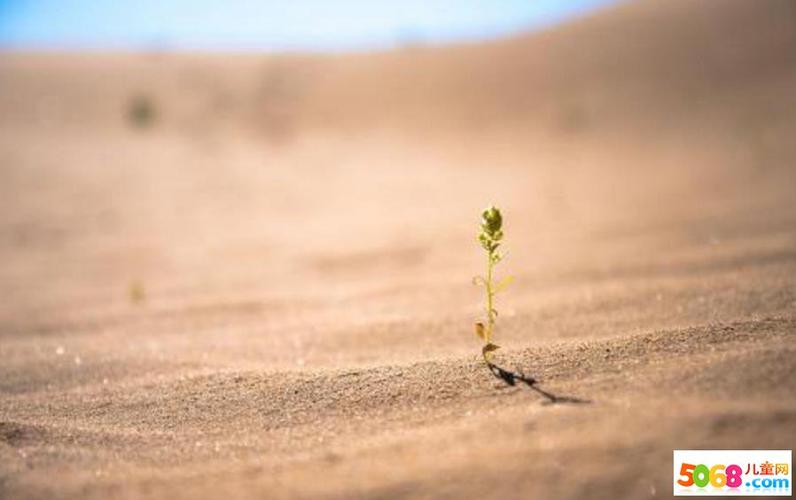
266, 291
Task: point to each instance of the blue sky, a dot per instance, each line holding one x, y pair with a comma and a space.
269, 25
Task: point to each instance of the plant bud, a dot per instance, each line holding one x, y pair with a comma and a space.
492, 220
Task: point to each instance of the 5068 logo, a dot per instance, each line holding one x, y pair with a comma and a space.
732, 472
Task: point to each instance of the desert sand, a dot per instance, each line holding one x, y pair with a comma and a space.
262, 289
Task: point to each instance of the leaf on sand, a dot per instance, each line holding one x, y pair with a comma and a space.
489, 348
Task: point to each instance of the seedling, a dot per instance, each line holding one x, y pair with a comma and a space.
490, 237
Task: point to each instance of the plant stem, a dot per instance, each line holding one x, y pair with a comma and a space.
489, 298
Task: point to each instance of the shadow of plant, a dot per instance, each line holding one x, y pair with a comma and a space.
511, 378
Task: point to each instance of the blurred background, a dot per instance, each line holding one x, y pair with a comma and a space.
331, 160
237, 241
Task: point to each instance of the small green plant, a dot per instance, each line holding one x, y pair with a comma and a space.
490, 237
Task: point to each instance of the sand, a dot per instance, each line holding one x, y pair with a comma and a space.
265, 291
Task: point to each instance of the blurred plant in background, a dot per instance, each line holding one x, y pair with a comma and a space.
141, 111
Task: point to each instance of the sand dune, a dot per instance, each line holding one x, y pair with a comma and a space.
417, 428
259, 286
